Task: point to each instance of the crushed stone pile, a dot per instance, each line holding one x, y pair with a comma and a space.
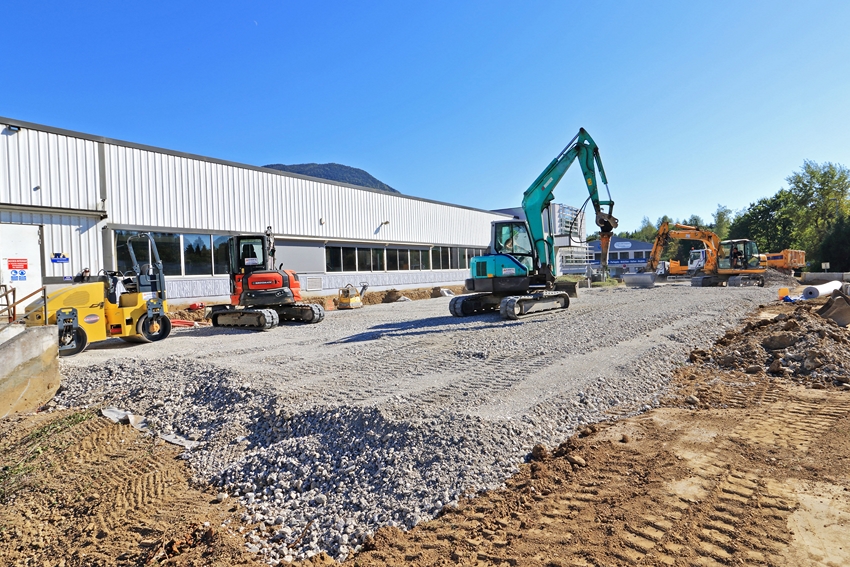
798, 345
774, 277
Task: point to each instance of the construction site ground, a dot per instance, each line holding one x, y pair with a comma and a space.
735, 466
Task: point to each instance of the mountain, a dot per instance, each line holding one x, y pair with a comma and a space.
335, 172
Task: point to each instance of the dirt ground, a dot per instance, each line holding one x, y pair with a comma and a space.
369, 298
741, 466
78, 490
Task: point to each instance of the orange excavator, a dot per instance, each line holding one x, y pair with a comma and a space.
261, 297
704, 260
728, 262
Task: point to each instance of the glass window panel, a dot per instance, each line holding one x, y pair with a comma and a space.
392, 260
415, 264
364, 259
444, 257
349, 259
220, 264
168, 246
403, 260
197, 256
333, 259
455, 253
377, 259
426, 260
598, 257
122, 256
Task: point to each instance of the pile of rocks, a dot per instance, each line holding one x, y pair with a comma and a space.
798, 345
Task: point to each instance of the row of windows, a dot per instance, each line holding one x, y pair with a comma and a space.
181, 254
206, 255
623, 255
356, 259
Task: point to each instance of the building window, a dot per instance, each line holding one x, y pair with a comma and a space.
349, 259
197, 255
392, 260
403, 260
425, 257
415, 263
169, 248
378, 260
220, 254
364, 259
122, 255
333, 259
597, 257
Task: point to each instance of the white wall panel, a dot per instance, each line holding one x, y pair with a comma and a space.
148, 188
76, 236
63, 167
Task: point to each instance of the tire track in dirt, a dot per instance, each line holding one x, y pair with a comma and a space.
97, 493
671, 487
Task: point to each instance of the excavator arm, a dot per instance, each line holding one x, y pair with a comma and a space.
538, 196
683, 232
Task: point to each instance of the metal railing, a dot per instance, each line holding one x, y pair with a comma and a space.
9, 309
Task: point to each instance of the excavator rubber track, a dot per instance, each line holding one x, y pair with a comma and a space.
303, 312
515, 306
255, 319
466, 305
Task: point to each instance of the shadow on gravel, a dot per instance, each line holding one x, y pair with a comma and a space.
426, 327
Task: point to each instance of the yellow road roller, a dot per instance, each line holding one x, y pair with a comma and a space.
130, 306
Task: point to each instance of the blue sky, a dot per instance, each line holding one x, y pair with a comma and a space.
692, 104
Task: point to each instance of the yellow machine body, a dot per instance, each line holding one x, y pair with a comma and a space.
349, 298
96, 315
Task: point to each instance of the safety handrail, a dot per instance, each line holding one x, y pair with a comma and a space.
11, 308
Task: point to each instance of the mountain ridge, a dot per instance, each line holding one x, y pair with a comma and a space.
335, 172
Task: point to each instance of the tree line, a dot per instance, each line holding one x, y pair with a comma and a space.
812, 213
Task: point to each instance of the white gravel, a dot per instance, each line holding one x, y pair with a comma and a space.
383, 415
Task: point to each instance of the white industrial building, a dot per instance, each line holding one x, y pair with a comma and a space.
68, 200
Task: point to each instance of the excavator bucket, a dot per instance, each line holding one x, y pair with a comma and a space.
645, 279
837, 308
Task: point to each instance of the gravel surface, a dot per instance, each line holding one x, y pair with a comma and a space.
383, 415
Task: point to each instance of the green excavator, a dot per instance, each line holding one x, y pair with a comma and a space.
517, 276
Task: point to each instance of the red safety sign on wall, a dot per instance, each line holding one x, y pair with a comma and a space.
18, 264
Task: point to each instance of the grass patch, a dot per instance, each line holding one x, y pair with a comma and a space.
610, 282
20, 460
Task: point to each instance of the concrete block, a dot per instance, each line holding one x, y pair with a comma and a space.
824, 277
29, 376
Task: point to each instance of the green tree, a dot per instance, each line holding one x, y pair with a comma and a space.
770, 221
722, 221
835, 247
819, 194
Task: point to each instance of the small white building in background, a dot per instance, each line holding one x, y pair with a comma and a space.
72, 199
572, 253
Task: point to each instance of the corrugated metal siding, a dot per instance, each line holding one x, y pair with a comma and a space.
64, 169
148, 188
78, 237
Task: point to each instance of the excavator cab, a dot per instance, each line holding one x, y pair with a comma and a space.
739, 254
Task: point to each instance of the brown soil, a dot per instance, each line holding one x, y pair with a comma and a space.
392, 295
735, 468
78, 490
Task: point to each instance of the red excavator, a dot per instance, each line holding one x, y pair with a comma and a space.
261, 297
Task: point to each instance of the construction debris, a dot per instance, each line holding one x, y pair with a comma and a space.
837, 308
797, 343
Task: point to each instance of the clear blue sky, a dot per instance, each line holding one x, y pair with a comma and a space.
692, 104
